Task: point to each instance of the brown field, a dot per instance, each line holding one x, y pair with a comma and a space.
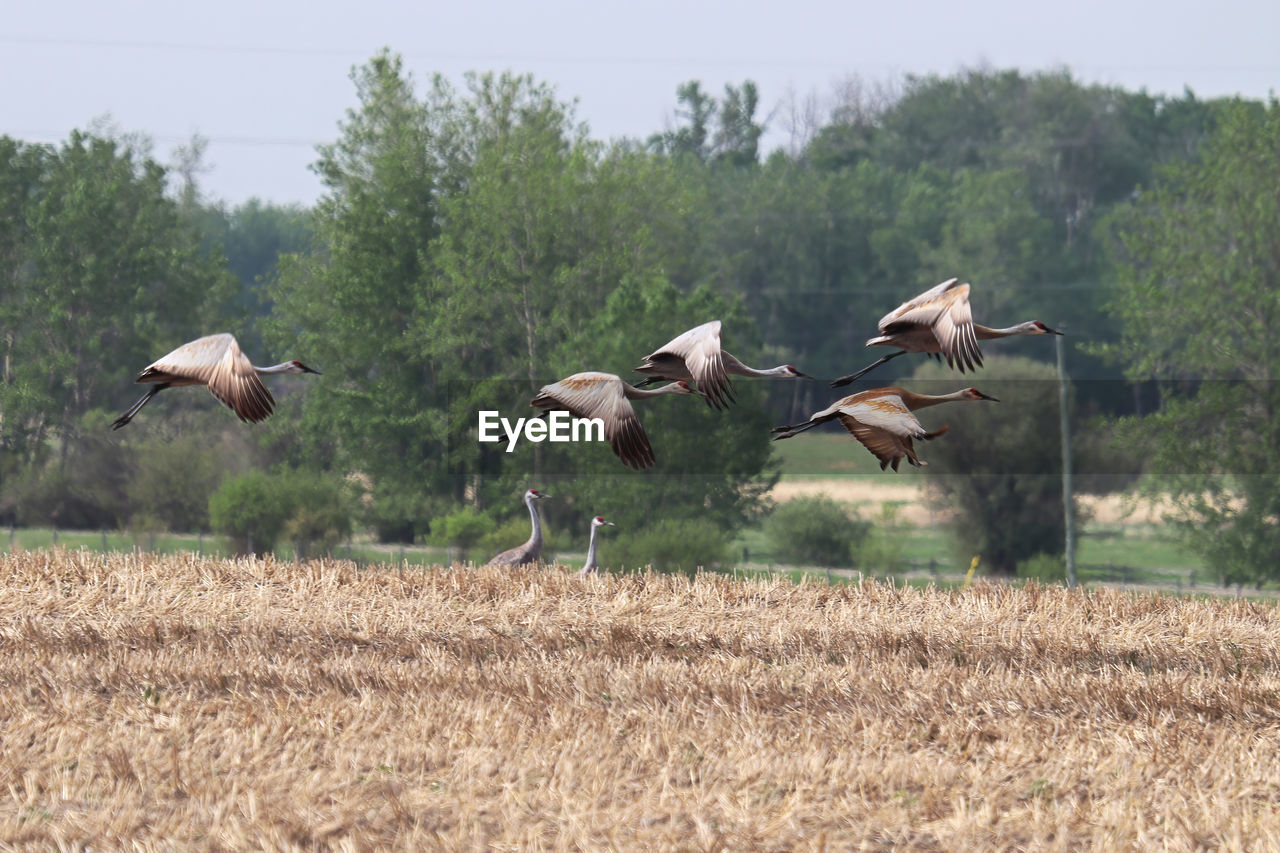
179, 702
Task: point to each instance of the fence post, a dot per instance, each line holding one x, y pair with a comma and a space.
1068, 497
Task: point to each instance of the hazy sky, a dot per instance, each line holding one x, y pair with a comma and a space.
266, 81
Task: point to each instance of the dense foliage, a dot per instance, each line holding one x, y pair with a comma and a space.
474, 243
815, 531
1199, 295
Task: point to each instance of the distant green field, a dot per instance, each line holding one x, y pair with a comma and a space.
29, 539
1136, 554
825, 451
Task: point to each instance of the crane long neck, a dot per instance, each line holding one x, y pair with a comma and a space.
535, 538
590, 564
732, 365
986, 333
282, 367
915, 401
639, 393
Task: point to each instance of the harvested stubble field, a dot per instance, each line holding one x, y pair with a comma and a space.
186, 702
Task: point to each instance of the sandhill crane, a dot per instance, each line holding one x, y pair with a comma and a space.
697, 355
606, 396
591, 565
530, 551
881, 419
216, 362
940, 322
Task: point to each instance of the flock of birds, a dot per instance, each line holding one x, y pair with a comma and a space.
938, 322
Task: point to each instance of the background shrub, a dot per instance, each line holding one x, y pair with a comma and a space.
815, 531
255, 509
668, 546
463, 529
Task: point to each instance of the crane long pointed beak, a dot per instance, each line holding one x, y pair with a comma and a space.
306, 369
988, 397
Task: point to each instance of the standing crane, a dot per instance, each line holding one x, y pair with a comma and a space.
530, 551
882, 420
939, 322
697, 355
606, 396
216, 362
591, 566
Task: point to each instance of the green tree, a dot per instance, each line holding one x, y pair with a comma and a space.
171, 479
352, 305
999, 467
1199, 299
251, 237
100, 264
24, 400
100, 268
712, 131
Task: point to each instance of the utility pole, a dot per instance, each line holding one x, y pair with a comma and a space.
1068, 504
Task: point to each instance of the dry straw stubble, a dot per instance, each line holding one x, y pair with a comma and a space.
167, 701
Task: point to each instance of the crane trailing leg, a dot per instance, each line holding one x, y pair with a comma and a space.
845, 380
137, 407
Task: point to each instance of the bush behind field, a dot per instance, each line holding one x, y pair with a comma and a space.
668, 545
815, 531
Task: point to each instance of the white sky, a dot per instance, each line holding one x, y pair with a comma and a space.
265, 81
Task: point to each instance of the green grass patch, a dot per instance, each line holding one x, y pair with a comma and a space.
821, 455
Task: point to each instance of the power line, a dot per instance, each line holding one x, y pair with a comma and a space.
253, 141
561, 58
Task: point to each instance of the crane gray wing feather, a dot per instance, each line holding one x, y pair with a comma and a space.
234, 381
944, 309
600, 395
889, 447
886, 413
700, 350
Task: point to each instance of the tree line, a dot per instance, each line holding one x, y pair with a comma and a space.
474, 242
